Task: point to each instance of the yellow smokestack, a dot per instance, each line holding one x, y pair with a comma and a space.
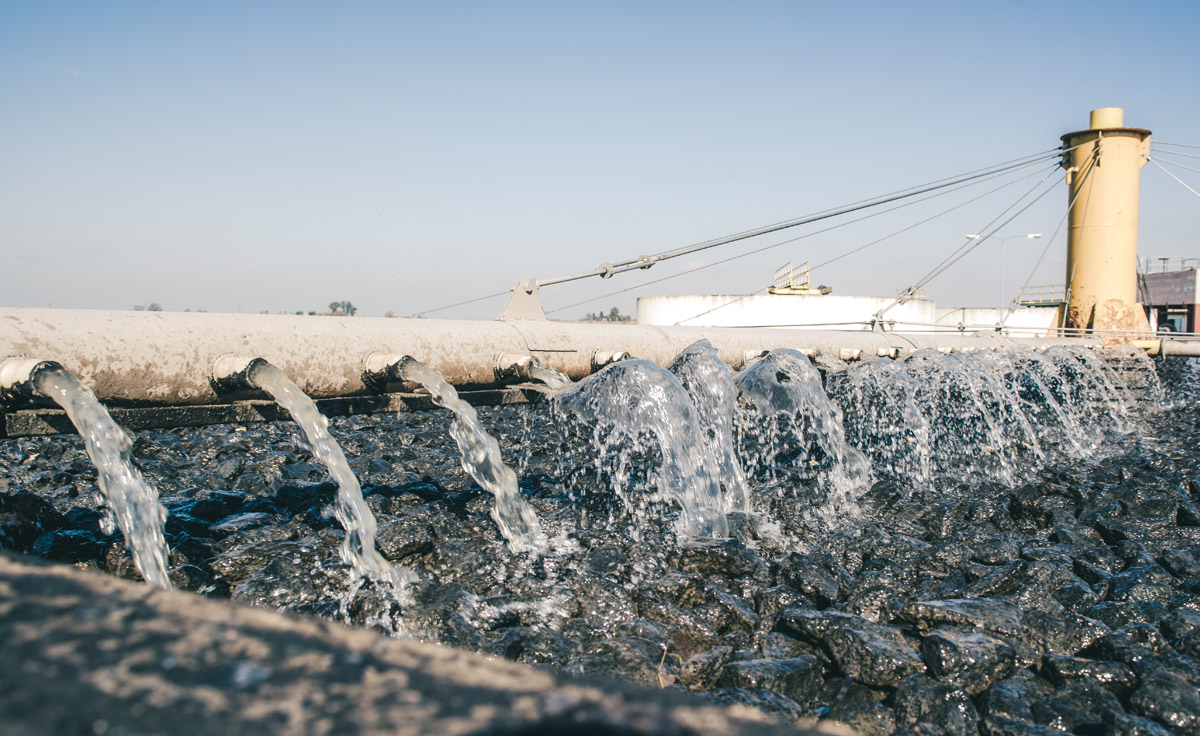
1103, 173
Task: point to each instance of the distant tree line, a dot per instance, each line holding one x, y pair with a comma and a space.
336, 309
612, 315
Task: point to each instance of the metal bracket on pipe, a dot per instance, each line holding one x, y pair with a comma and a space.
523, 304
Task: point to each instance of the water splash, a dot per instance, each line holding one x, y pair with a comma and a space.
132, 503
357, 548
790, 422
883, 419
555, 380
632, 398
990, 415
482, 460
710, 384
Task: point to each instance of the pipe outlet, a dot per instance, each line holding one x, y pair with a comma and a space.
18, 377
602, 358
380, 369
512, 367
750, 356
232, 373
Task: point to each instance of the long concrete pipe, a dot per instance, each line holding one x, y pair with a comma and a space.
168, 358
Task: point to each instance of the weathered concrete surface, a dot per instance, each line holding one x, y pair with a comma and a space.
85, 653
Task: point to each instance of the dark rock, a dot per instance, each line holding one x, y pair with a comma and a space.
607, 559
989, 614
1182, 563
1130, 645
1079, 537
799, 678
811, 579
943, 559
1182, 630
241, 522
1170, 699
404, 537
920, 699
1115, 676
307, 499
215, 505
871, 653
777, 645
702, 671
1001, 726
71, 545
1148, 584
1066, 634
875, 719
1117, 615
879, 604
182, 524
533, 646
230, 469
1123, 724
871, 656
993, 549
24, 517
1076, 705
254, 533
770, 602
1089, 573
1077, 597
765, 700
967, 658
1011, 699
1027, 584
728, 558
682, 589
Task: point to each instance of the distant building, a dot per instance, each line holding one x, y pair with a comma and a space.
1167, 288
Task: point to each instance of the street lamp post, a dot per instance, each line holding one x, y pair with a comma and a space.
1031, 236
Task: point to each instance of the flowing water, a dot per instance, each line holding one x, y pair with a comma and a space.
710, 384
130, 502
791, 429
357, 548
481, 459
634, 402
555, 380
886, 498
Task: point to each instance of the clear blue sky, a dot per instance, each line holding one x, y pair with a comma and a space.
280, 156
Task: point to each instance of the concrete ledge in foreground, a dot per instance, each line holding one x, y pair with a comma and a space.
87, 653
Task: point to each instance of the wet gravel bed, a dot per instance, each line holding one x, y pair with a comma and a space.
1068, 603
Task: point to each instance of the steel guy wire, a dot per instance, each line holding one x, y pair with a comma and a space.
756, 251
862, 247
1176, 163
971, 244
1176, 178
1070, 206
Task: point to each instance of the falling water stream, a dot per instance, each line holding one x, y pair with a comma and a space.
482, 460
131, 502
358, 547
